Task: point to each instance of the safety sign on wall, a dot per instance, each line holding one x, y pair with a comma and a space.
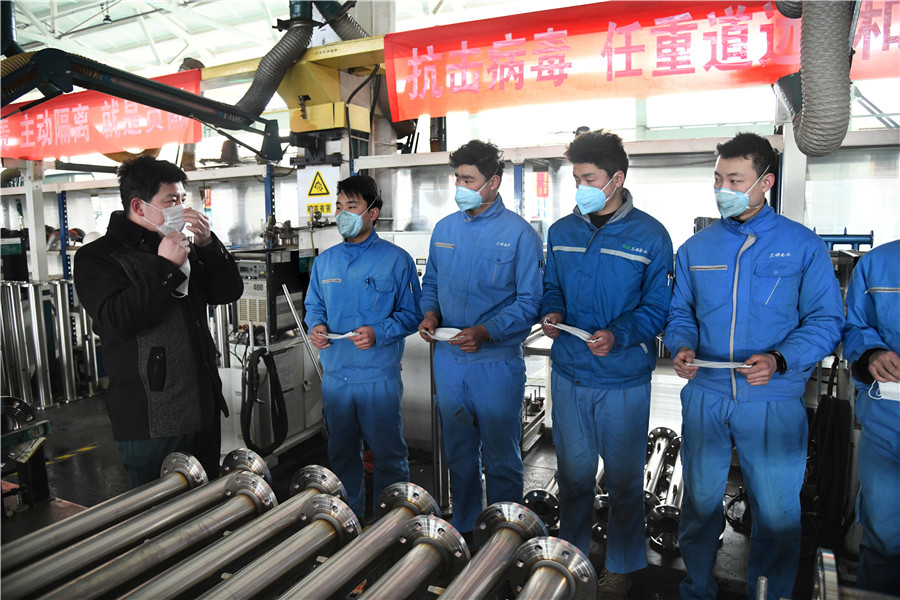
317, 187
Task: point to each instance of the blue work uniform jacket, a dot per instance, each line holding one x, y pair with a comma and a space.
371, 283
485, 270
873, 321
618, 278
749, 288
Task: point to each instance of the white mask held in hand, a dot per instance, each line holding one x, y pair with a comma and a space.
182, 290
888, 390
173, 219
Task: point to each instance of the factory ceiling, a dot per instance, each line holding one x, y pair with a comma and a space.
153, 38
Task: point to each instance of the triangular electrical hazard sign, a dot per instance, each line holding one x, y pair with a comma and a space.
318, 187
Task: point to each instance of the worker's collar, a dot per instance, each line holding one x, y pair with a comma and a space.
492, 211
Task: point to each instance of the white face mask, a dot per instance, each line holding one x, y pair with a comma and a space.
889, 390
173, 218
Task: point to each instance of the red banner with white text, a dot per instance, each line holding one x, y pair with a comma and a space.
614, 49
85, 122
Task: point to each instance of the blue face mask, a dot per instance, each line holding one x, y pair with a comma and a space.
349, 224
731, 203
591, 199
467, 199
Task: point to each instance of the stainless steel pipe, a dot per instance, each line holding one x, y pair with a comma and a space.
663, 521
436, 550
89, 349
330, 524
49, 571
660, 441
499, 531
15, 361
248, 494
549, 568
179, 473
545, 502
44, 397
397, 504
185, 576
64, 338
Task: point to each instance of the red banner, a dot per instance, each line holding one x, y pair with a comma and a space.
614, 49
86, 122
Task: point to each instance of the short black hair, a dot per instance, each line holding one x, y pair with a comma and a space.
362, 186
484, 155
752, 146
601, 148
142, 176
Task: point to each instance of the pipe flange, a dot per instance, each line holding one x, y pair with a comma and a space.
17, 414
441, 535
601, 516
254, 487
509, 515
560, 555
658, 434
318, 478
325, 507
672, 451
189, 467
662, 528
544, 504
651, 501
414, 497
244, 459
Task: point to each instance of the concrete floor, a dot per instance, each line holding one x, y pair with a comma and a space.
84, 469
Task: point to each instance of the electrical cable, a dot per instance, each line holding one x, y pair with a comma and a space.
371, 76
251, 385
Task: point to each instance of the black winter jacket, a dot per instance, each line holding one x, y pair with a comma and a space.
157, 348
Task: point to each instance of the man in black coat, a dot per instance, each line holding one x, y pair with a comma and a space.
147, 287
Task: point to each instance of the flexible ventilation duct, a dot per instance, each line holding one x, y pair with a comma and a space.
821, 123
278, 60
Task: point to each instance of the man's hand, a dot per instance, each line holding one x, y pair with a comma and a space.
317, 337
603, 342
761, 368
198, 224
174, 248
470, 339
365, 339
680, 363
551, 332
429, 324
885, 366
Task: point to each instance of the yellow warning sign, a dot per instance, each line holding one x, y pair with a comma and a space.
318, 187
324, 208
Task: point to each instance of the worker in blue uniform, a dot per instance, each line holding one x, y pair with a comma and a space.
757, 290
872, 346
483, 277
609, 269
370, 288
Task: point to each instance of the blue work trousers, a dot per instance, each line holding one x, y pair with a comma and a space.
879, 478
367, 411
612, 424
771, 442
481, 417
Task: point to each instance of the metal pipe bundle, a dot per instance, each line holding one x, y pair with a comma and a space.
179, 473
331, 524
49, 571
435, 550
397, 504
549, 568
248, 495
39, 341
663, 521
15, 347
306, 484
659, 444
499, 531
